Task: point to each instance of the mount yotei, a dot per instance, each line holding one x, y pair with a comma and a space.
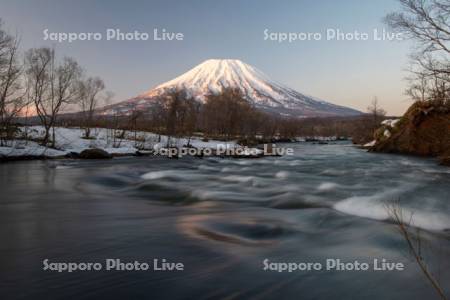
214, 75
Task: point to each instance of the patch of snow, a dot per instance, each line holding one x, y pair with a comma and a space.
390, 122
370, 144
29, 148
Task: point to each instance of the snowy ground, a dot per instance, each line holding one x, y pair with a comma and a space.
390, 123
70, 140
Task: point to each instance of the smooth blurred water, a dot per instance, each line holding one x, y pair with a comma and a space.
222, 218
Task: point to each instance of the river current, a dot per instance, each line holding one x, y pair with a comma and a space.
222, 218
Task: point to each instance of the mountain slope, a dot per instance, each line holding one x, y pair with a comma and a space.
213, 75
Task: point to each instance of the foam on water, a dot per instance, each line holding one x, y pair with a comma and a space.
238, 178
282, 174
160, 174
377, 207
327, 186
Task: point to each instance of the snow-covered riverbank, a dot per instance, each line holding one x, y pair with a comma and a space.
70, 140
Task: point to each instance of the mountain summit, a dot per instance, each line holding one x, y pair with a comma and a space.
213, 75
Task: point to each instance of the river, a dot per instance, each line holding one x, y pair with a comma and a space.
222, 218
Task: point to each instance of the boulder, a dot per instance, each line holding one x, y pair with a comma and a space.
95, 154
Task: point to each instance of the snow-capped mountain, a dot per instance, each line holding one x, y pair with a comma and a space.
213, 75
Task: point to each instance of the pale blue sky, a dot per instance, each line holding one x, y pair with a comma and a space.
342, 72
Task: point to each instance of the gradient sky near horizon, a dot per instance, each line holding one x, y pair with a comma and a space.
348, 73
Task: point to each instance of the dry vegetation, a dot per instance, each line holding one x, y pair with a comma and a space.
415, 245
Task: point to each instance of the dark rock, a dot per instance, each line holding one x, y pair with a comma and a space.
72, 155
95, 154
139, 153
444, 160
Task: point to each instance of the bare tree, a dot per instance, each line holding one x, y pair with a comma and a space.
418, 88
90, 97
12, 99
133, 122
190, 119
376, 112
427, 23
226, 114
51, 84
158, 114
176, 106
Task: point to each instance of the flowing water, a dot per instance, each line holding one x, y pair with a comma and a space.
222, 218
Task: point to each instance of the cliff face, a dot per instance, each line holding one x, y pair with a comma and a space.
423, 130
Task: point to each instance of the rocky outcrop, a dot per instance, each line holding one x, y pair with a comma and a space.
94, 154
423, 130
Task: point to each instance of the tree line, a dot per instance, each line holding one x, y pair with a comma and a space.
230, 116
